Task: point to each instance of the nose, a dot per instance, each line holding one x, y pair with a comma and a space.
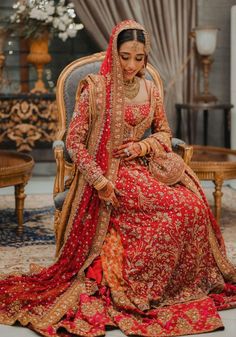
131, 65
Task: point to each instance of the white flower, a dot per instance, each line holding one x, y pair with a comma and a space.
16, 5
56, 22
50, 9
66, 19
21, 9
60, 10
72, 32
38, 15
62, 26
63, 36
13, 17
49, 19
62, 3
79, 26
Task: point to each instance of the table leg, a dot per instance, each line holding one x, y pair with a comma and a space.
205, 122
218, 195
179, 121
19, 203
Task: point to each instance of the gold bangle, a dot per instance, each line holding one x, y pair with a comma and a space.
146, 142
100, 183
143, 149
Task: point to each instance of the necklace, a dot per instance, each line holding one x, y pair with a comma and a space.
131, 88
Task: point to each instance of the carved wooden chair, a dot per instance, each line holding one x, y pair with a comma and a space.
65, 95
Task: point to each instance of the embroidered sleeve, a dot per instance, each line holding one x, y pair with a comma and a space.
76, 140
161, 133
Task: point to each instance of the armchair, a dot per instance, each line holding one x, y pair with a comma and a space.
65, 96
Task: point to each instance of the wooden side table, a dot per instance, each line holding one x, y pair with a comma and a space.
205, 108
15, 170
216, 164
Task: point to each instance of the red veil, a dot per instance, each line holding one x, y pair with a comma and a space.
42, 297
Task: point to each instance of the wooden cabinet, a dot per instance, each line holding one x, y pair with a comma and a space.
27, 120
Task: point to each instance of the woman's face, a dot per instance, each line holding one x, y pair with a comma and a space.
132, 57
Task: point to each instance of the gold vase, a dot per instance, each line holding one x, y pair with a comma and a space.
39, 56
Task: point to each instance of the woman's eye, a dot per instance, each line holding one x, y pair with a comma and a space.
124, 57
139, 59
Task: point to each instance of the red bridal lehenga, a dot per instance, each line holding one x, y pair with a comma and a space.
155, 266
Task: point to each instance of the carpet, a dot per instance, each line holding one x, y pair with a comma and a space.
37, 227
37, 245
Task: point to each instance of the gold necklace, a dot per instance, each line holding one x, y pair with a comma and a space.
131, 88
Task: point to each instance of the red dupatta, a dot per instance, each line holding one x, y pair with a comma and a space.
42, 298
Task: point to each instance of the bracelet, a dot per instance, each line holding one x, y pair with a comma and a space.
145, 148
100, 183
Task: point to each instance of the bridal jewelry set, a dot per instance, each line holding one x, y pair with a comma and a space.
131, 88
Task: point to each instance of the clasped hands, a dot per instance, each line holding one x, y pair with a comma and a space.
126, 151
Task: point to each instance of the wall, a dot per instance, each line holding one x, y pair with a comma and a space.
217, 13
210, 12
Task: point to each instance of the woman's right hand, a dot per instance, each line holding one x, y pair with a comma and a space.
108, 195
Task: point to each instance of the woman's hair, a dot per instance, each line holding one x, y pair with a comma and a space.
130, 35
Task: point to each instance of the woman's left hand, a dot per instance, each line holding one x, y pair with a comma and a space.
127, 151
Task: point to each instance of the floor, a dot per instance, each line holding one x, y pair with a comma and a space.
42, 184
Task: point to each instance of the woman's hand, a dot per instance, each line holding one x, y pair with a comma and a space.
107, 194
127, 151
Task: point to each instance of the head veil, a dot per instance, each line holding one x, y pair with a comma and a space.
112, 72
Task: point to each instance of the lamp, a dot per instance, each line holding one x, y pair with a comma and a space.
2, 57
206, 44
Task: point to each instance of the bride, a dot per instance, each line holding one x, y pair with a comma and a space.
140, 248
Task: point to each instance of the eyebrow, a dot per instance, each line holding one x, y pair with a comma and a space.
125, 52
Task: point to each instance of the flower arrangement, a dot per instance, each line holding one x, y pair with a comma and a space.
32, 18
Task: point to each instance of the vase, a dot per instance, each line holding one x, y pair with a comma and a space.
39, 56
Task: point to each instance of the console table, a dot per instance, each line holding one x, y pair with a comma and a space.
27, 118
205, 108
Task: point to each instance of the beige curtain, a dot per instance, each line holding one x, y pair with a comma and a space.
169, 23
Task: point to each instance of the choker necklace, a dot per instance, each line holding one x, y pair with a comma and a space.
131, 88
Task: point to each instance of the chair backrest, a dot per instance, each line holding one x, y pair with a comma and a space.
68, 82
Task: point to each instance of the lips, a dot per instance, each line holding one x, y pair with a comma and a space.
129, 73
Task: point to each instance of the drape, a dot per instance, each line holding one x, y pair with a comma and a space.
169, 23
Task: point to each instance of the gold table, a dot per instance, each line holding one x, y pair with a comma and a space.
216, 164
15, 170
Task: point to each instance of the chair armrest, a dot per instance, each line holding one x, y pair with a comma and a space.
58, 148
184, 150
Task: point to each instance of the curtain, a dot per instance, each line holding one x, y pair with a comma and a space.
169, 23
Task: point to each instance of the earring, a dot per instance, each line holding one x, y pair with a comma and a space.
142, 71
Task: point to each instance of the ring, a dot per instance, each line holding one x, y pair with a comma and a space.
108, 203
126, 151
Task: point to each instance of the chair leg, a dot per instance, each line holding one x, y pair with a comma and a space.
218, 195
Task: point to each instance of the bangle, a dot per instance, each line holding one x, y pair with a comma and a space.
145, 148
100, 183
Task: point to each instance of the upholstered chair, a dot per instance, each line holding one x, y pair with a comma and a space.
65, 94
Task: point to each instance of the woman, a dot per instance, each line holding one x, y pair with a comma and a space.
141, 250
